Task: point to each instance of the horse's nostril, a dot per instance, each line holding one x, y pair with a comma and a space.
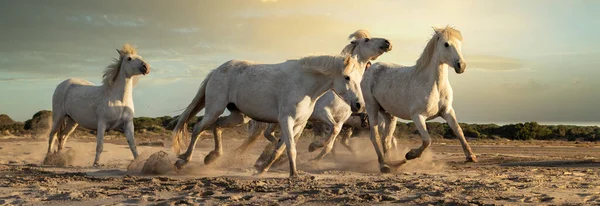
387, 42
358, 106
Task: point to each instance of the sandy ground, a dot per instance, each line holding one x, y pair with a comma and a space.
509, 173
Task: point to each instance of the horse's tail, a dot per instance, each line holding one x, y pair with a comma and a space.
195, 106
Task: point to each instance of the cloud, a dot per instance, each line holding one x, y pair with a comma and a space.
493, 63
11, 79
186, 30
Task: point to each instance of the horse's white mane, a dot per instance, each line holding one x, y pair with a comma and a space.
111, 72
427, 54
324, 64
358, 34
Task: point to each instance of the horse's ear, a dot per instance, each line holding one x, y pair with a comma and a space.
354, 42
437, 30
120, 53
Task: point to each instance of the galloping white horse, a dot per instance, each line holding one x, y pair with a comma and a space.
421, 92
283, 93
330, 109
101, 108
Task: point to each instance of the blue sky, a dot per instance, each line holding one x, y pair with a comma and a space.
534, 60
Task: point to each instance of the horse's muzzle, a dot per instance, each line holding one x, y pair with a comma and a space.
386, 46
356, 107
460, 67
145, 69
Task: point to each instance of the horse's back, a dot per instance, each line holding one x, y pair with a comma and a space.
63, 89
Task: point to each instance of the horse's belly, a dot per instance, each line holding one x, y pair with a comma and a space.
396, 109
259, 112
88, 121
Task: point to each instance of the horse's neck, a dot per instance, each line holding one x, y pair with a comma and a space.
121, 90
435, 73
320, 86
362, 60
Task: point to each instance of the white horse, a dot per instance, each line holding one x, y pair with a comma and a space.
421, 92
285, 93
330, 109
101, 108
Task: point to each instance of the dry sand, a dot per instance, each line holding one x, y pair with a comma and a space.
509, 173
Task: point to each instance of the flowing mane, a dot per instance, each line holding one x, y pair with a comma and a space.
358, 34
111, 72
427, 54
324, 64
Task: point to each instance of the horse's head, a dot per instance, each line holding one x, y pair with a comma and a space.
367, 47
347, 85
131, 63
449, 48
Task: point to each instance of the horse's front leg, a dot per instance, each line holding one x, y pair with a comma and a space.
419, 121
450, 118
99, 141
289, 132
128, 128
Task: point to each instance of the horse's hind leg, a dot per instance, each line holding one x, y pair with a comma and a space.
57, 125
324, 130
70, 126
99, 142
330, 142
450, 118
234, 119
270, 133
319, 129
419, 121
255, 129
210, 117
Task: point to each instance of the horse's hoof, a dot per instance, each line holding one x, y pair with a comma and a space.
314, 146
211, 157
180, 164
294, 176
258, 166
182, 156
385, 169
412, 154
97, 165
471, 159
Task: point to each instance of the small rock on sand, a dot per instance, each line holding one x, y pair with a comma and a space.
157, 164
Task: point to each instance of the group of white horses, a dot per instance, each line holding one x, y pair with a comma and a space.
324, 89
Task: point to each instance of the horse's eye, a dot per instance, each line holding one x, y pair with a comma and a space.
129, 59
347, 77
446, 44
367, 39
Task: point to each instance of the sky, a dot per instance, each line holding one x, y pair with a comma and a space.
535, 60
